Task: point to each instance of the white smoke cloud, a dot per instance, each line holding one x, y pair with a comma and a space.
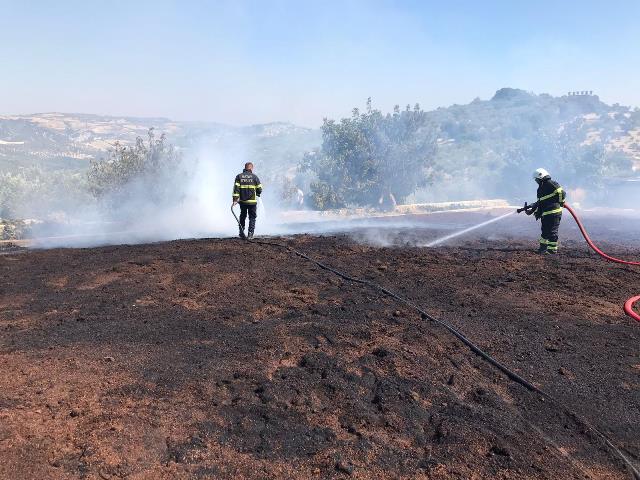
203, 210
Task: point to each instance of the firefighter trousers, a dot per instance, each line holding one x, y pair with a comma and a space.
252, 210
549, 236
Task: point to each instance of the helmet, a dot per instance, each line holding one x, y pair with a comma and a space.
540, 174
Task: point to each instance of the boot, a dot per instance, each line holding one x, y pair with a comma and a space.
542, 250
241, 233
250, 236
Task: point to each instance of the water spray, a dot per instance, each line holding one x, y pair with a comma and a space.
467, 230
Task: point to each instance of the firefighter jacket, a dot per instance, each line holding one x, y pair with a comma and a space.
550, 198
247, 188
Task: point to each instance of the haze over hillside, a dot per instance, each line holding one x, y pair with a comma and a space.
69, 141
478, 129
481, 150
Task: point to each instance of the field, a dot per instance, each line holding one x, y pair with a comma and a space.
216, 358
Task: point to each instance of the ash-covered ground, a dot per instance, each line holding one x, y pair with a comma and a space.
217, 358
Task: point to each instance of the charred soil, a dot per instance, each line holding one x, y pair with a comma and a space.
224, 359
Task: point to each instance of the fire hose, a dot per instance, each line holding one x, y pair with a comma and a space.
628, 306
588, 427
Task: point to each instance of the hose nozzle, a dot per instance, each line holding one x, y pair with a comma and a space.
528, 209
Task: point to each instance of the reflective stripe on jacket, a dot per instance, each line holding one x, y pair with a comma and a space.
247, 187
551, 198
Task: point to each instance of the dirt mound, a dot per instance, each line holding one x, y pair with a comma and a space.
221, 359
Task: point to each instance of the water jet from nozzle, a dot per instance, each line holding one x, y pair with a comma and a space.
440, 240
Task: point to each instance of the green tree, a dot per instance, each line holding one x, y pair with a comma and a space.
151, 171
34, 193
371, 155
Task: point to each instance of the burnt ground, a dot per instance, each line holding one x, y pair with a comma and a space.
216, 358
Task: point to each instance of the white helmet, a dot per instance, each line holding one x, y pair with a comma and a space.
540, 173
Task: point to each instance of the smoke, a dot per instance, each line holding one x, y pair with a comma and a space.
485, 150
203, 211
202, 207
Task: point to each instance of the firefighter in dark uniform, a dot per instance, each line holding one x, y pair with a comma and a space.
548, 209
246, 190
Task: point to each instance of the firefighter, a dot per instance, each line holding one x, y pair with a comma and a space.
548, 209
246, 190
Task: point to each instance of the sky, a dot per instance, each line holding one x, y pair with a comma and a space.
245, 62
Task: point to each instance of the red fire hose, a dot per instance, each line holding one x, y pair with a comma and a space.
628, 306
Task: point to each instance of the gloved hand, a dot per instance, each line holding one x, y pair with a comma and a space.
537, 214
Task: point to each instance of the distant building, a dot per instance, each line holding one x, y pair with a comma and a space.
581, 93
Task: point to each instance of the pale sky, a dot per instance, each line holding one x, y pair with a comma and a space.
244, 62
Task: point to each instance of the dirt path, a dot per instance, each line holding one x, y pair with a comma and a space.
219, 359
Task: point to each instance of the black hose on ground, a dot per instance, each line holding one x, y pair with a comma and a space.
460, 336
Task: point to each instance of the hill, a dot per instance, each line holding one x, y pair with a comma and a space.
69, 141
578, 137
484, 133
485, 149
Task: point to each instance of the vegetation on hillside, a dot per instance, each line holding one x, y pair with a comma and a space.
486, 148
370, 156
36, 193
143, 173
147, 173
498, 142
